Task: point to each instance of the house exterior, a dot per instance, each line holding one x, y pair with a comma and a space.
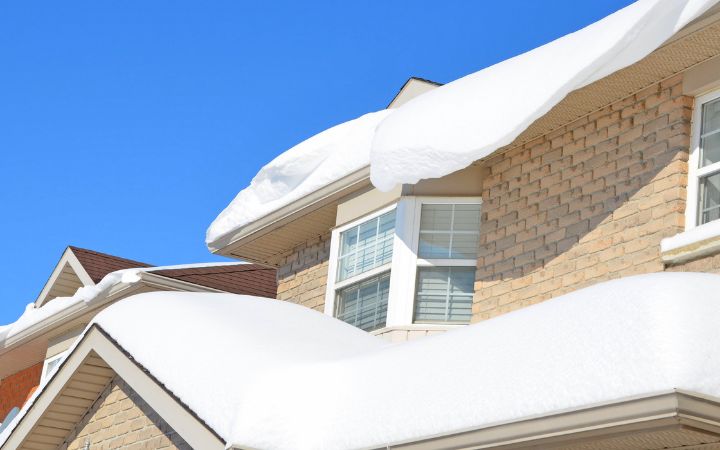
29, 355
619, 178
587, 193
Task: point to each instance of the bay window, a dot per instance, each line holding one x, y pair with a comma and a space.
413, 262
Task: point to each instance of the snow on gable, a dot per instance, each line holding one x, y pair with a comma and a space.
461, 122
287, 377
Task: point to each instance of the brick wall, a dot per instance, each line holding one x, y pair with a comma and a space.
586, 203
302, 275
121, 419
16, 388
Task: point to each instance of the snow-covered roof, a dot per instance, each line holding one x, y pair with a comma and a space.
450, 127
286, 377
85, 296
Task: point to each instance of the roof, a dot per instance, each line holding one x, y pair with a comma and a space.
405, 93
98, 264
281, 372
464, 121
250, 279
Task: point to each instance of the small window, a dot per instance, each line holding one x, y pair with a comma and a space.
366, 246
447, 252
365, 304
51, 364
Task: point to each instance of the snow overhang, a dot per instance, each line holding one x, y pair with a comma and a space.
695, 43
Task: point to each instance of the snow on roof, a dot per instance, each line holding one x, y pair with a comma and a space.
450, 127
34, 315
305, 168
286, 377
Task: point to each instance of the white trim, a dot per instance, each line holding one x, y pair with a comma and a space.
695, 172
68, 258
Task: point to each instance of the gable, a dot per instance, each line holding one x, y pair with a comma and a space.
68, 276
121, 417
97, 373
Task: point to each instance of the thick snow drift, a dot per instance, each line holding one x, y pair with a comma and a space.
446, 129
450, 127
286, 377
302, 170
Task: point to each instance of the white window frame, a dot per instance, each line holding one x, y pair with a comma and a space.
47, 363
696, 173
404, 264
333, 285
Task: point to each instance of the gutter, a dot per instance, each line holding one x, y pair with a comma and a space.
279, 217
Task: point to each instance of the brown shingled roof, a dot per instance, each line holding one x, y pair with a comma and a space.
97, 264
249, 279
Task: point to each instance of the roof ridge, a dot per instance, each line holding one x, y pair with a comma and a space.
107, 255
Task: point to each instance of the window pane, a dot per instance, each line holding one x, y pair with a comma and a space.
366, 246
464, 246
364, 305
449, 231
436, 217
444, 294
709, 208
434, 245
711, 116
710, 149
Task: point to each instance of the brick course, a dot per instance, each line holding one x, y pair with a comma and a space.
302, 273
120, 419
586, 203
16, 388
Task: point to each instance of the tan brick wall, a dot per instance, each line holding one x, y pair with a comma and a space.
707, 264
586, 203
302, 275
120, 419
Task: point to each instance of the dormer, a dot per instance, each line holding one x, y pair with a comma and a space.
78, 268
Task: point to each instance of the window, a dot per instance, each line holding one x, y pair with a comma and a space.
362, 279
447, 256
50, 365
413, 262
704, 181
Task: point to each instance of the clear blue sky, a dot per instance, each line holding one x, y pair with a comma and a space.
125, 127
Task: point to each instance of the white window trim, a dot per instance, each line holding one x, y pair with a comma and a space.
404, 264
47, 362
695, 173
696, 240
407, 270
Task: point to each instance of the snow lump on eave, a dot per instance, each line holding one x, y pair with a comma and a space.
300, 171
286, 377
450, 127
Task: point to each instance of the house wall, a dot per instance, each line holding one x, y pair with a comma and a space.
302, 275
16, 388
121, 419
586, 203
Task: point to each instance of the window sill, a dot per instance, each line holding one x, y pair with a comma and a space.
409, 332
695, 243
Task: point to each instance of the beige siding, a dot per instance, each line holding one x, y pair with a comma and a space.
586, 203
120, 419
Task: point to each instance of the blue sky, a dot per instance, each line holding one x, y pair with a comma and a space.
125, 127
